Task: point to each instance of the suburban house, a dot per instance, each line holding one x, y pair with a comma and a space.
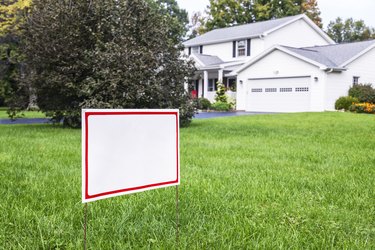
281, 65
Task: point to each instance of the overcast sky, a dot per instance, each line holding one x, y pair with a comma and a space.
358, 9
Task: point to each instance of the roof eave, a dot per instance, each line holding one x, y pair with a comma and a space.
334, 69
221, 41
358, 55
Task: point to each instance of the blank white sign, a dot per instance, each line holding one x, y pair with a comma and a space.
128, 151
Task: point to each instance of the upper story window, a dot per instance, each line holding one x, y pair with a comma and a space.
195, 50
355, 80
241, 48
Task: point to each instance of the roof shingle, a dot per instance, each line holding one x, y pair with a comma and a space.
332, 56
238, 32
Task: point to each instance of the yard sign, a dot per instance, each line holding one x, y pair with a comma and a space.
127, 151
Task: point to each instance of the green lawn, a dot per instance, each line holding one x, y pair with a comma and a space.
26, 114
296, 181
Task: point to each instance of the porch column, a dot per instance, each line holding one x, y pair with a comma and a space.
221, 74
205, 83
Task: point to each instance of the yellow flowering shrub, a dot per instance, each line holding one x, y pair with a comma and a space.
365, 107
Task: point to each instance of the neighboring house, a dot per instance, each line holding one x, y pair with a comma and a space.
221, 52
287, 79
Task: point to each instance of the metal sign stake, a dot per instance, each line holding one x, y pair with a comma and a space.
177, 218
85, 228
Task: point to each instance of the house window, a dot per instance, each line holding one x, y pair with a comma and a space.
195, 50
302, 89
212, 85
286, 89
355, 80
241, 48
232, 84
256, 90
271, 89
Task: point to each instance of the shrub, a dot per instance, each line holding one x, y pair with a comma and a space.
221, 96
364, 92
221, 106
203, 103
232, 103
366, 107
345, 102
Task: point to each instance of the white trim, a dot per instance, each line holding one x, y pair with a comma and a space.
269, 51
358, 55
229, 39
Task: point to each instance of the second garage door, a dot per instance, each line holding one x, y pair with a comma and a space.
279, 95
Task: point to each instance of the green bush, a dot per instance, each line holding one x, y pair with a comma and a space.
363, 92
203, 103
221, 96
221, 106
345, 102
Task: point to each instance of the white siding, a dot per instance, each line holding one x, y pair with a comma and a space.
257, 47
297, 34
222, 50
280, 64
338, 84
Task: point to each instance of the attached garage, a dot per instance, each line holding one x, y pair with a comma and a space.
310, 79
287, 94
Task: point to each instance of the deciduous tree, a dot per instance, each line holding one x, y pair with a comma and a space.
12, 67
104, 54
224, 13
349, 30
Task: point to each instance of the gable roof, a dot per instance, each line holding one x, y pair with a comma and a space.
251, 30
335, 56
206, 60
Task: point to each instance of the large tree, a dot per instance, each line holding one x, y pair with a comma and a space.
224, 13
12, 67
11, 15
104, 54
177, 18
349, 30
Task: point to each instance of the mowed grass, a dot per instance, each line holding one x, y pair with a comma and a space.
295, 181
25, 114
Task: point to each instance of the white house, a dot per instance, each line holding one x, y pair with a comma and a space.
281, 65
287, 79
219, 52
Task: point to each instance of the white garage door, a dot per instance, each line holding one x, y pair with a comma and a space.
279, 95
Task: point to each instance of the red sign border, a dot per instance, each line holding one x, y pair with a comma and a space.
91, 113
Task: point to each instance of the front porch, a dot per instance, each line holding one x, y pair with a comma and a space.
205, 84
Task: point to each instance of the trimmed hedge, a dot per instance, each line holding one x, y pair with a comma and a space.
203, 103
221, 106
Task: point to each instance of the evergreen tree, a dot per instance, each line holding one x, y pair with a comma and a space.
221, 96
